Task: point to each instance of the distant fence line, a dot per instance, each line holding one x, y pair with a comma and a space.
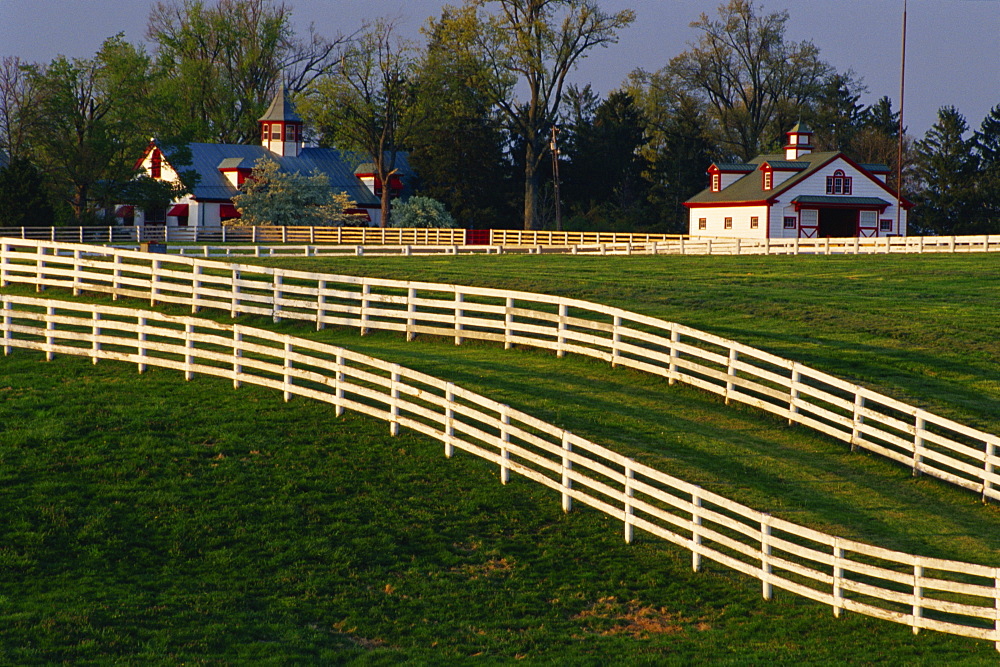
925, 593
379, 242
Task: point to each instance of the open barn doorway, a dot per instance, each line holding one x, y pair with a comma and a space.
838, 222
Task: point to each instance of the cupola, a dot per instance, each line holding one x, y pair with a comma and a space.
281, 127
799, 141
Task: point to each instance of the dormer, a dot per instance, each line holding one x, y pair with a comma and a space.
281, 127
236, 170
799, 141
723, 174
775, 172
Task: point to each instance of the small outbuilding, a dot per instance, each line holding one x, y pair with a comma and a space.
797, 194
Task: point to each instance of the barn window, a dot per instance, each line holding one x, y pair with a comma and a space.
885, 224
265, 131
728, 223
276, 132
838, 184
155, 164
716, 182
754, 222
790, 222
702, 223
768, 180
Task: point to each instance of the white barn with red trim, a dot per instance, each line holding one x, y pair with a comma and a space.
797, 194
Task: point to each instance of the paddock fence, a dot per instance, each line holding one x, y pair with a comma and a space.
925, 593
926, 443
377, 242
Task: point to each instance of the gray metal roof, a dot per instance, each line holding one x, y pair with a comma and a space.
788, 164
735, 166
281, 110
840, 200
207, 158
750, 187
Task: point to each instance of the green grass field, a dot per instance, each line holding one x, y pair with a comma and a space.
152, 520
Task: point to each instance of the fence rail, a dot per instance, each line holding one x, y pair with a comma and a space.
925, 593
378, 242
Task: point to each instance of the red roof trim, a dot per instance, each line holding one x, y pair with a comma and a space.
722, 204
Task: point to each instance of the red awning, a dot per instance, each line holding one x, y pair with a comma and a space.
178, 210
228, 211
126, 211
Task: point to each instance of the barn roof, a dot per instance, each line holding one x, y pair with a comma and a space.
750, 188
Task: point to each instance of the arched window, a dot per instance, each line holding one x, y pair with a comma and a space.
838, 184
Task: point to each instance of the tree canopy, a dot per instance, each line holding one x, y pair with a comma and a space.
275, 197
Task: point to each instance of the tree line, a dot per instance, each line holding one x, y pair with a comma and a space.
485, 108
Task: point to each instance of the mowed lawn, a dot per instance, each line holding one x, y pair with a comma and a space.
152, 520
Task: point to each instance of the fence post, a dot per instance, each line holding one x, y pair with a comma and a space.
237, 353
195, 287
154, 278
394, 400
731, 372
449, 420
561, 327
793, 394
838, 578
188, 356
567, 467
411, 308
859, 419
675, 338
76, 272
616, 339
338, 385
95, 332
459, 298
695, 526
504, 440
140, 342
7, 322
996, 606
629, 509
918, 443
235, 308
508, 323
4, 249
918, 593
275, 316
366, 289
286, 377
765, 556
991, 453
39, 265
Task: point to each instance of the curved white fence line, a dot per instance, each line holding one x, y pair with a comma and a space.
927, 443
925, 593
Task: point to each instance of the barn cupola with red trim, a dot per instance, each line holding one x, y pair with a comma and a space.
799, 141
281, 127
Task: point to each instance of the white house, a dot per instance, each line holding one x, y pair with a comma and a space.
222, 168
797, 194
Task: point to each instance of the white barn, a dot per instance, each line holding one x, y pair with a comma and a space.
797, 194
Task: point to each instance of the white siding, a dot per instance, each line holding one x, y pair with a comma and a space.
715, 221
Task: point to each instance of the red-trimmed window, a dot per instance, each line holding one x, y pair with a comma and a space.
791, 222
265, 131
768, 180
291, 133
155, 164
885, 225
838, 184
727, 223
716, 182
754, 222
702, 223
276, 132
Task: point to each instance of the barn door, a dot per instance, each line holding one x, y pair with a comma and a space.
809, 223
868, 224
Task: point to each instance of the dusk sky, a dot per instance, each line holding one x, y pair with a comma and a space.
953, 46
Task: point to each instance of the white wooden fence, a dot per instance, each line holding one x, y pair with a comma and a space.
927, 443
378, 242
924, 593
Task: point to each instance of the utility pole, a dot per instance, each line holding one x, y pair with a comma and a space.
554, 149
899, 156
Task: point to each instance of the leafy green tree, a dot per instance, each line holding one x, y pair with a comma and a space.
274, 197
749, 77
946, 170
458, 144
531, 46
24, 199
365, 103
420, 212
87, 125
222, 63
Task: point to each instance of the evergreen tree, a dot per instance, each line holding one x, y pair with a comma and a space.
987, 146
24, 199
946, 170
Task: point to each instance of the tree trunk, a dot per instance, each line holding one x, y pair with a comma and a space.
531, 217
384, 218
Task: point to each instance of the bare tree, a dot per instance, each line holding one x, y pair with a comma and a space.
18, 95
365, 103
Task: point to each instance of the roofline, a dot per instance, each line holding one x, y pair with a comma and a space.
722, 204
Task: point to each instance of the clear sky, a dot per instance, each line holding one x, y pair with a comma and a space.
953, 46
